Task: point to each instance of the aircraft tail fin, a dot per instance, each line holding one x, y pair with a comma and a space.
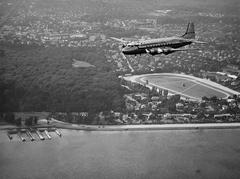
190, 32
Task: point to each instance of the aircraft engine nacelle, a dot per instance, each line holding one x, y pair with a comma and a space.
167, 51
159, 51
156, 51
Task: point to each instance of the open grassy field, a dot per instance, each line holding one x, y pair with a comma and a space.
188, 86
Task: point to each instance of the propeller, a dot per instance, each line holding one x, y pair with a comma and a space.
123, 56
124, 44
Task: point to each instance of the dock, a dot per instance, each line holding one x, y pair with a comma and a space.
30, 133
9, 136
39, 135
47, 134
21, 137
58, 133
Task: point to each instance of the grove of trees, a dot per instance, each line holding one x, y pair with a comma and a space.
43, 79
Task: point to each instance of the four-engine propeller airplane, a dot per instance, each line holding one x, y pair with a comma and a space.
160, 45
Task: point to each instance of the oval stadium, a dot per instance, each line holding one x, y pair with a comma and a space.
187, 86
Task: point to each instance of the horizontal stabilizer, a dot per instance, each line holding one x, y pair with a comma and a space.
198, 42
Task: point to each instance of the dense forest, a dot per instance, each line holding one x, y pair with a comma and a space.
43, 79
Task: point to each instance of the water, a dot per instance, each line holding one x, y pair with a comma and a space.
126, 154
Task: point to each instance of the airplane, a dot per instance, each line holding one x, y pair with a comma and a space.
157, 46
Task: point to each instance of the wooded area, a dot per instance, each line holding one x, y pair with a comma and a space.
43, 79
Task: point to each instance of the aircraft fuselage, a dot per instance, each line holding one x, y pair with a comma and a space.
141, 47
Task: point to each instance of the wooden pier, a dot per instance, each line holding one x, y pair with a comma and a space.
27, 133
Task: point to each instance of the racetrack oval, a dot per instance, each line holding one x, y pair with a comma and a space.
185, 85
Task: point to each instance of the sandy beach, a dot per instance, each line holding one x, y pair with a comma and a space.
148, 126
133, 127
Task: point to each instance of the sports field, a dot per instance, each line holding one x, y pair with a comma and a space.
185, 85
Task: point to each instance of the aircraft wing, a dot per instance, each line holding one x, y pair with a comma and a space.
119, 40
182, 49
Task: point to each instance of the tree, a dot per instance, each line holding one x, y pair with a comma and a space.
43, 79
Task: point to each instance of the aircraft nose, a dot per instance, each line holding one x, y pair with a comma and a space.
126, 50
